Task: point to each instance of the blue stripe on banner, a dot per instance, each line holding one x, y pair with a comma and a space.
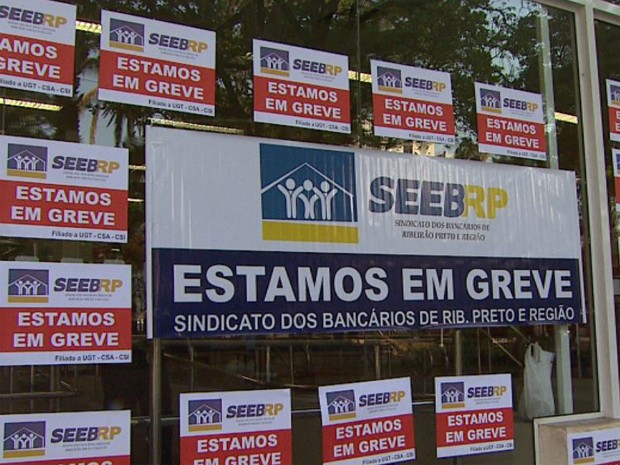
198, 293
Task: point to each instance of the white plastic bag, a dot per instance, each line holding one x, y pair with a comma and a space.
537, 398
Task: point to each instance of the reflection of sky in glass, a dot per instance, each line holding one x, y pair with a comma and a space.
511, 67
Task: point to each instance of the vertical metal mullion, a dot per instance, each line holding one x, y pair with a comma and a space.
561, 332
156, 379
598, 214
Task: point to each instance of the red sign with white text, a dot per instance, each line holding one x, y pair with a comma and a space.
37, 46
301, 87
615, 160
60, 313
412, 103
474, 415
510, 122
157, 64
240, 427
370, 422
62, 190
613, 105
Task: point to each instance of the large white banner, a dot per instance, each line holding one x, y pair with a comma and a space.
37, 46
157, 64
62, 190
234, 428
64, 313
250, 235
89, 438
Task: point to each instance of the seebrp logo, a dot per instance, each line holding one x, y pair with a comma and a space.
389, 80
23, 440
88, 285
490, 100
28, 286
583, 450
274, 61
453, 395
614, 95
28, 161
126, 35
39, 18
308, 195
341, 405
204, 415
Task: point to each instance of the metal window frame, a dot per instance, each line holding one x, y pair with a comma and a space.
586, 13
598, 213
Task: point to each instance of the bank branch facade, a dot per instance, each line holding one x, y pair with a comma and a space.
300, 232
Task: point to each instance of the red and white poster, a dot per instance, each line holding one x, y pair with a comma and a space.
157, 64
301, 87
370, 422
510, 122
37, 46
412, 103
64, 313
615, 160
62, 190
236, 428
474, 415
613, 106
77, 438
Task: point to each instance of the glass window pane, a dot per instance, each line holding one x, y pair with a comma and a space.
515, 44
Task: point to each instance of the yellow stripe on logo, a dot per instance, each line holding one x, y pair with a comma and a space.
11, 454
277, 72
207, 427
26, 174
454, 405
342, 416
394, 90
123, 45
31, 299
281, 231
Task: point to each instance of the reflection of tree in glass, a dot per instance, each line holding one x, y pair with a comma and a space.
473, 40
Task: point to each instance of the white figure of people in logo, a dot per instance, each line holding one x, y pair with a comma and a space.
204, 416
26, 161
489, 101
340, 405
25, 440
27, 287
308, 194
582, 451
453, 395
